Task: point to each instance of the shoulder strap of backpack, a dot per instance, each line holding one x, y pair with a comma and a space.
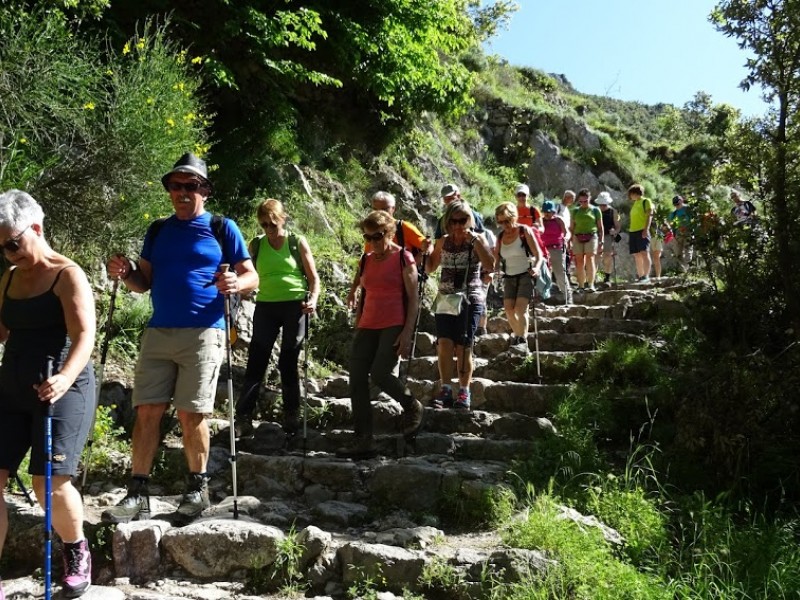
294, 249
401, 241
524, 241
254, 246
155, 228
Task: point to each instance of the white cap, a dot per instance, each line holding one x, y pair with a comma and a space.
522, 189
603, 198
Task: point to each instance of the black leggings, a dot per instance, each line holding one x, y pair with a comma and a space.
268, 320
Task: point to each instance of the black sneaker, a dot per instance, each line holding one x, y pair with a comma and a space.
195, 499
291, 422
606, 277
411, 418
135, 504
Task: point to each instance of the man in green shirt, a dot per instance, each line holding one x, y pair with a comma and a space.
639, 231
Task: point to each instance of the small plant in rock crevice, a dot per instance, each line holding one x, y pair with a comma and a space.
282, 574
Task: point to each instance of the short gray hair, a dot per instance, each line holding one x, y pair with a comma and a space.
19, 210
383, 197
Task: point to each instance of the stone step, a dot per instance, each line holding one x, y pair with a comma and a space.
577, 324
556, 367
493, 344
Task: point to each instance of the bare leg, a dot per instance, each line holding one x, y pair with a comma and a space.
656, 257
67, 507
444, 352
580, 269
146, 433
521, 315
591, 268
465, 365
511, 315
196, 440
646, 263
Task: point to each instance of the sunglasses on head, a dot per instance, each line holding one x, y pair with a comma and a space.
189, 186
459, 221
12, 244
268, 225
374, 237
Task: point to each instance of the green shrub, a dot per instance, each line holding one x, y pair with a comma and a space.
622, 363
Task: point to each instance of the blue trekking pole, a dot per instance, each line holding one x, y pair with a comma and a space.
48, 490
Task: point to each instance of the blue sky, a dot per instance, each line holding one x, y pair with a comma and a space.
646, 50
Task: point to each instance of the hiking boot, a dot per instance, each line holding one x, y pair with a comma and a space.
463, 399
411, 419
195, 499
291, 422
362, 447
606, 277
445, 398
644, 279
135, 504
243, 427
480, 331
589, 289
77, 569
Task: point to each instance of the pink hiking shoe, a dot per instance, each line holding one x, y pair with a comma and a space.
77, 569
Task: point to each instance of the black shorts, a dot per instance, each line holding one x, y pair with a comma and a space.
637, 243
460, 329
22, 417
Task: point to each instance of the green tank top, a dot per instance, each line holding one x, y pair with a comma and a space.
280, 278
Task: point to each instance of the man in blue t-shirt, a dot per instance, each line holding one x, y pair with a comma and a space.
449, 193
184, 343
680, 220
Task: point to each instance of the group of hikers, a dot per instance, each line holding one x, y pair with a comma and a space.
192, 262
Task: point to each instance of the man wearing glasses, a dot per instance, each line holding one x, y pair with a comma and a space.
184, 343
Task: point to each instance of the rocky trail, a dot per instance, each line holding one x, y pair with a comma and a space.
308, 518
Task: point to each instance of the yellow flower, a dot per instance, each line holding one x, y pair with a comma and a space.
189, 117
179, 86
146, 216
171, 122
126, 49
23, 140
88, 106
181, 58
148, 183
197, 60
150, 100
140, 44
109, 72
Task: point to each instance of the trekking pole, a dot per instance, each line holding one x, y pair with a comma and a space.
536, 338
25, 491
101, 369
48, 489
463, 368
232, 457
614, 261
422, 278
305, 375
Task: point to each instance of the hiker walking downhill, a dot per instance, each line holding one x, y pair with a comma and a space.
518, 254
639, 231
183, 345
680, 219
611, 228
383, 333
587, 234
461, 300
288, 290
47, 322
527, 214
555, 240
451, 193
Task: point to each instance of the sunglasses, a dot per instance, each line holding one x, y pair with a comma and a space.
189, 186
12, 244
268, 225
461, 221
503, 222
374, 237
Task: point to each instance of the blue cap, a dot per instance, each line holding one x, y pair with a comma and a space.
548, 206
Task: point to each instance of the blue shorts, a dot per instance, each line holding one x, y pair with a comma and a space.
460, 329
637, 243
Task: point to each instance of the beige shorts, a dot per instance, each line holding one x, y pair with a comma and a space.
179, 364
656, 244
589, 247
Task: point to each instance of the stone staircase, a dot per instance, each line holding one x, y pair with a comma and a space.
392, 515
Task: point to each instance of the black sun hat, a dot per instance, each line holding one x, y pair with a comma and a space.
188, 163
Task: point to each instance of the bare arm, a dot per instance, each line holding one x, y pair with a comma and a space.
536, 253
483, 252
310, 268
3, 284
435, 259
403, 341
137, 276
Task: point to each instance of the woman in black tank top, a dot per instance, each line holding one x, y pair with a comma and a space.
47, 322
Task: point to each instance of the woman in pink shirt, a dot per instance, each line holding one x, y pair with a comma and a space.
384, 326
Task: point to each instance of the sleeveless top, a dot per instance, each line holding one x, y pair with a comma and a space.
608, 219
454, 271
552, 237
36, 325
514, 257
384, 304
280, 278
